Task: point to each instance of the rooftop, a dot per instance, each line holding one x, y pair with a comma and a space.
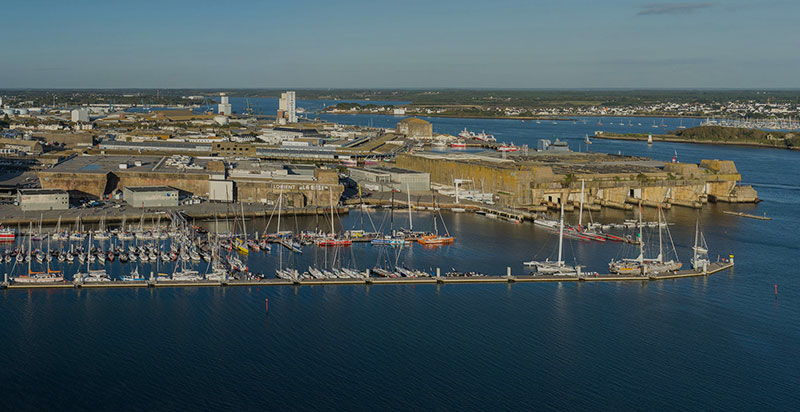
104, 164
42, 191
147, 189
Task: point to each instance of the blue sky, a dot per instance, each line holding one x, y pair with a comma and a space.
427, 44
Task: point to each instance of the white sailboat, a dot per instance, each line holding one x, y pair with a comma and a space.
558, 268
647, 266
700, 258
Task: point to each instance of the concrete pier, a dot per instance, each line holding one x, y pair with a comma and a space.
712, 269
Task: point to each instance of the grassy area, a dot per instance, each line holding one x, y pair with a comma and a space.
723, 135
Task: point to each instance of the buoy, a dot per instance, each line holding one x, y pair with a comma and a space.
266, 303
776, 290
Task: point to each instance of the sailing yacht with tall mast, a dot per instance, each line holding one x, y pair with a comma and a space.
332, 239
434, 238
648, 266
700, 256
558, 267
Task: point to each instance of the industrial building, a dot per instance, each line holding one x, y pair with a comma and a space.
557, 146
80, 115
287, 109
220, 190
42, 199
20, 146
391, 178
95, 177
156, 146
150, 196
224, 106
415, 128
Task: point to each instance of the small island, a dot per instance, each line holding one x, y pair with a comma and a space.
717, 135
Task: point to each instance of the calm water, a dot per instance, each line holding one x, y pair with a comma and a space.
723, 342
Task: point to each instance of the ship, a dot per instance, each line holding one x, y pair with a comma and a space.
7, 234
558, 267
507, 148
641, 265
434, 239
465, 134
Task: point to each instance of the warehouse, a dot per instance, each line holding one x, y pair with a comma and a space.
415, 128
155, 146
392, 178
150, 196
43, 199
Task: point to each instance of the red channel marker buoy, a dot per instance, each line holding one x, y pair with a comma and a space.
266, 302
776, 290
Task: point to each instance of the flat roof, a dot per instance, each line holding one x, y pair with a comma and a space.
43, 191
156, 143
145, 189
104, 164
397, 170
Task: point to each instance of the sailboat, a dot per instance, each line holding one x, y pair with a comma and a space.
77, 235
57, 234
36, 277
134, 276
39, 236
185, 274
239, 244
391, 239
647, 266
434, 238
559, 268
124, 234
218, 271
700, 258
91, 275
331, 239
284, 238
101, 233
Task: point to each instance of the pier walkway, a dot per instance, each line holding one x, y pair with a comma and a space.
713, 268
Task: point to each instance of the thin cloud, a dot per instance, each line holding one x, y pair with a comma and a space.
672, 8
47, 69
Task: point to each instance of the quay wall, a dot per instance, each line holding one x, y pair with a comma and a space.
688, 185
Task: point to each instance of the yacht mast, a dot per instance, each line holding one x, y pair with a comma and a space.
580, 215
410, 221
641, 237
333, 229
391, 217
30, 233
244, 228
660, 245
561, 235
696, 232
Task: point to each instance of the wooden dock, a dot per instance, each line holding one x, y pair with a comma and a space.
712, 269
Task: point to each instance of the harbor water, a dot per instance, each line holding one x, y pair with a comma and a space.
722, 342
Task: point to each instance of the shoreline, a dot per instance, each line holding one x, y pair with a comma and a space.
557, 118
676, 139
